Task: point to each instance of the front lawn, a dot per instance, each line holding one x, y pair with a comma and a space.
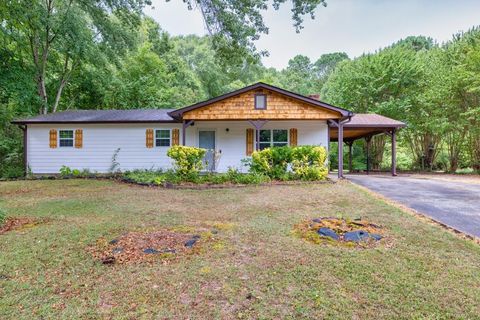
256, 268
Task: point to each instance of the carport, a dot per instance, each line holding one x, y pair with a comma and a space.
363, 126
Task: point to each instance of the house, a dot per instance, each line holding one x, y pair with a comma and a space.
231, 126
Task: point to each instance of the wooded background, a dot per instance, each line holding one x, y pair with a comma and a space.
71, 54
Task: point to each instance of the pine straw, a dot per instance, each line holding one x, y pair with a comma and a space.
129, 247
308, 230
18, 223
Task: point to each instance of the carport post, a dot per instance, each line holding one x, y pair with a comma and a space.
350, 144
340, 149
394, 153
367, 139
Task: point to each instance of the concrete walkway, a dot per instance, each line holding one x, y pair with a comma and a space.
453, 203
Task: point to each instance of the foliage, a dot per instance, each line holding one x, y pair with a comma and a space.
115, 165
308, 162
159, 177
305, 162
67, 172
188, 161
272, 162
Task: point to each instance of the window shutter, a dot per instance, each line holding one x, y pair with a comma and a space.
149, 138
249, 141
78, 138
175, 137
53, 138
293, 137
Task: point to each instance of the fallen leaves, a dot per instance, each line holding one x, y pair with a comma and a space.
19, 223
133, 247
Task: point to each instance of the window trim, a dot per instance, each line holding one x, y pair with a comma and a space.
255, 101
272, 143
169, 137
59, 138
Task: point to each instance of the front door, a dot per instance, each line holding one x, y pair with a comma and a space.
206, 140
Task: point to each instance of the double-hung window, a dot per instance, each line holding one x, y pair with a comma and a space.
273, 138
162, 137
65, 138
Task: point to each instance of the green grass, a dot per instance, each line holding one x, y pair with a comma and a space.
258, 269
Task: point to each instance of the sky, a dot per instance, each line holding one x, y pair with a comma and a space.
351, 26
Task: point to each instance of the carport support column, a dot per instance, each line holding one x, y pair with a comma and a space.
185, 125
367, 139
394, 153
350, 144
340, 149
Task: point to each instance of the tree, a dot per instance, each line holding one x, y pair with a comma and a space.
60, 35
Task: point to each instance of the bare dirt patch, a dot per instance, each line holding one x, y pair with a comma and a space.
134, 247
19, 223
350, 233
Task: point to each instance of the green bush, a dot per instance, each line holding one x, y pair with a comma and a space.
308, 162
272, 162
65, 171
188, 161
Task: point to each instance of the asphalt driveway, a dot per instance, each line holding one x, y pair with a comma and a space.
453, 203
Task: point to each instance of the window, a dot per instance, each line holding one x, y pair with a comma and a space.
273, 138
260, 101
66, 138
162, 138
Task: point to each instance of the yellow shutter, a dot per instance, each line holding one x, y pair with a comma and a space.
249, 141
175, 137
78, 138
149, 138
293, 137
53, 138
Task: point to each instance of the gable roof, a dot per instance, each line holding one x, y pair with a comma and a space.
177, 114
102, 116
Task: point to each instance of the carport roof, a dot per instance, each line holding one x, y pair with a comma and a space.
365, 124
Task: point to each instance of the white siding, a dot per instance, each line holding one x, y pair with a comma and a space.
101, 140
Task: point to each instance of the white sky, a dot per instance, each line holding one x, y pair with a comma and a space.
352, 26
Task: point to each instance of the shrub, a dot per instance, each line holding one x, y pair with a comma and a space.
308, 162
65, 171
187, 160
272, 162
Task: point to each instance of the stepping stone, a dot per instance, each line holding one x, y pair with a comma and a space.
327, 232
150, 251
356, 236
190, 243
375, 236
117, 250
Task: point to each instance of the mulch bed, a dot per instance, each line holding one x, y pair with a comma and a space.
18, 223
205, 186
350, 233
134, 247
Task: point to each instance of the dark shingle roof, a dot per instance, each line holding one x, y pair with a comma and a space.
102, 116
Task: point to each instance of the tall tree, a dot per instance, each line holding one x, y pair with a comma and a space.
60, 35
